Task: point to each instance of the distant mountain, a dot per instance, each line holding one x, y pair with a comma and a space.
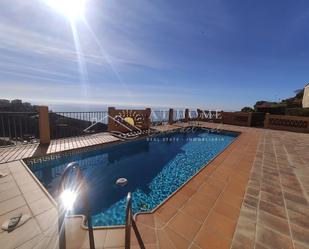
63, 126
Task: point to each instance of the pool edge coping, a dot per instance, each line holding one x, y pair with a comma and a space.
191, 178
98, 146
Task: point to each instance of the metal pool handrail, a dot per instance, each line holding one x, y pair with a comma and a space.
73, 166
131, 223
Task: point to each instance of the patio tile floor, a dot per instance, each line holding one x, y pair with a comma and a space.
253, 195
39, 231
280, 189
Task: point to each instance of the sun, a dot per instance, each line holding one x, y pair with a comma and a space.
72, 9
129, 120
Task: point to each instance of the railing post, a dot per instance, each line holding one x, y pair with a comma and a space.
111, 123
219, 115
266, 120
148, 121
249, 119
170, 116
44, 128
186, 115
223, 115
200, 114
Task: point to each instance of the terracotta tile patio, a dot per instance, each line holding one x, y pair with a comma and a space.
278, 214
204, 213
253, 195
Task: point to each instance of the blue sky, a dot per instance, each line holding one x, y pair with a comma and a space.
216, 54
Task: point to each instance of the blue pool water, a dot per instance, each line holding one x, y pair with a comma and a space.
155, 168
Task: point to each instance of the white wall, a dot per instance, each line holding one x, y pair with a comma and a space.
306, 97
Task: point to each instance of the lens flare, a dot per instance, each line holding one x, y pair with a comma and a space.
73, 9
68, 198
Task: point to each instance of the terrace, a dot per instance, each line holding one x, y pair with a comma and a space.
255, 194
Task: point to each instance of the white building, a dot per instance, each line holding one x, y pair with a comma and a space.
306, 97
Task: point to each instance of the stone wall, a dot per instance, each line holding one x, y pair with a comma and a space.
237, 118
288, 123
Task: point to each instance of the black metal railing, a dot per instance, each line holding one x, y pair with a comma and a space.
193, 115
18, 128
130, 223
159, 117
80, 188
178, 115
70, 124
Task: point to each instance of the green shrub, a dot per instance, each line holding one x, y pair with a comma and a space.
297, 112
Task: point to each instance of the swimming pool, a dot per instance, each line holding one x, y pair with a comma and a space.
155, 167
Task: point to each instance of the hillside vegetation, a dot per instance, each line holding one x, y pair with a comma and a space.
290, 106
